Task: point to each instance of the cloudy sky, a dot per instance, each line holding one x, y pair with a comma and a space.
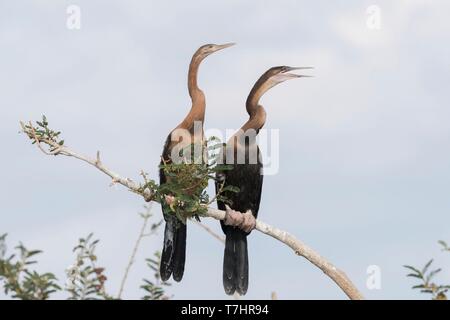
364, 145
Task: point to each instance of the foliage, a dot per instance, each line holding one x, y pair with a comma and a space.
444, 245
188, 178
85, 280
155, 290
42, 133
21, 282
425, 275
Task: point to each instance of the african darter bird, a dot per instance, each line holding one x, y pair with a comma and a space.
243, 155
174, 247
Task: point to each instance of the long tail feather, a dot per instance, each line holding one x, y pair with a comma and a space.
166, 267
174, 250
180, 253
235, 262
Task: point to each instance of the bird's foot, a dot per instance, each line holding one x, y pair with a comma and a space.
232, 217
244, 221
249, 221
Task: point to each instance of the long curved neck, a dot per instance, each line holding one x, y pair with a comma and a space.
192, 76
256, 120
255, 110
197, 112
253, 98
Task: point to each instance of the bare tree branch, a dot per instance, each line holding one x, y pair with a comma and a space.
301, 249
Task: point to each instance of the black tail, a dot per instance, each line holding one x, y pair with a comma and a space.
235, 262
174, 251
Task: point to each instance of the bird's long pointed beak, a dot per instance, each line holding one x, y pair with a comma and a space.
298, 68
223, 46
294, 75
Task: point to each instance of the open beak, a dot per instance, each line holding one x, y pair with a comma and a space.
223, 46
293, 75
286, 75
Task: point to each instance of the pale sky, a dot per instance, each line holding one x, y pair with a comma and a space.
364, 145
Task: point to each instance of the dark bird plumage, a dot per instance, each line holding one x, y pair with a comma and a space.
248, 177
173, 255
235, 261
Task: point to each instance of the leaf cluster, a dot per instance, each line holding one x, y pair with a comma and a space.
19, 280
186, 181
425, 275
40, 132
155, 290
85, 280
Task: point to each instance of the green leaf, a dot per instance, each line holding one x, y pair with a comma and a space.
231, 189
412, 268
33, 252
413, 275
420, 286
444, 245
425, 268
432, 274
426, 291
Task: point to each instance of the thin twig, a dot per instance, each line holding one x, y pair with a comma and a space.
217, 194
301, 249
142, 234
210, 231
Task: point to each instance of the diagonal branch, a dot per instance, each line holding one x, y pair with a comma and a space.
301, 249
208, 229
